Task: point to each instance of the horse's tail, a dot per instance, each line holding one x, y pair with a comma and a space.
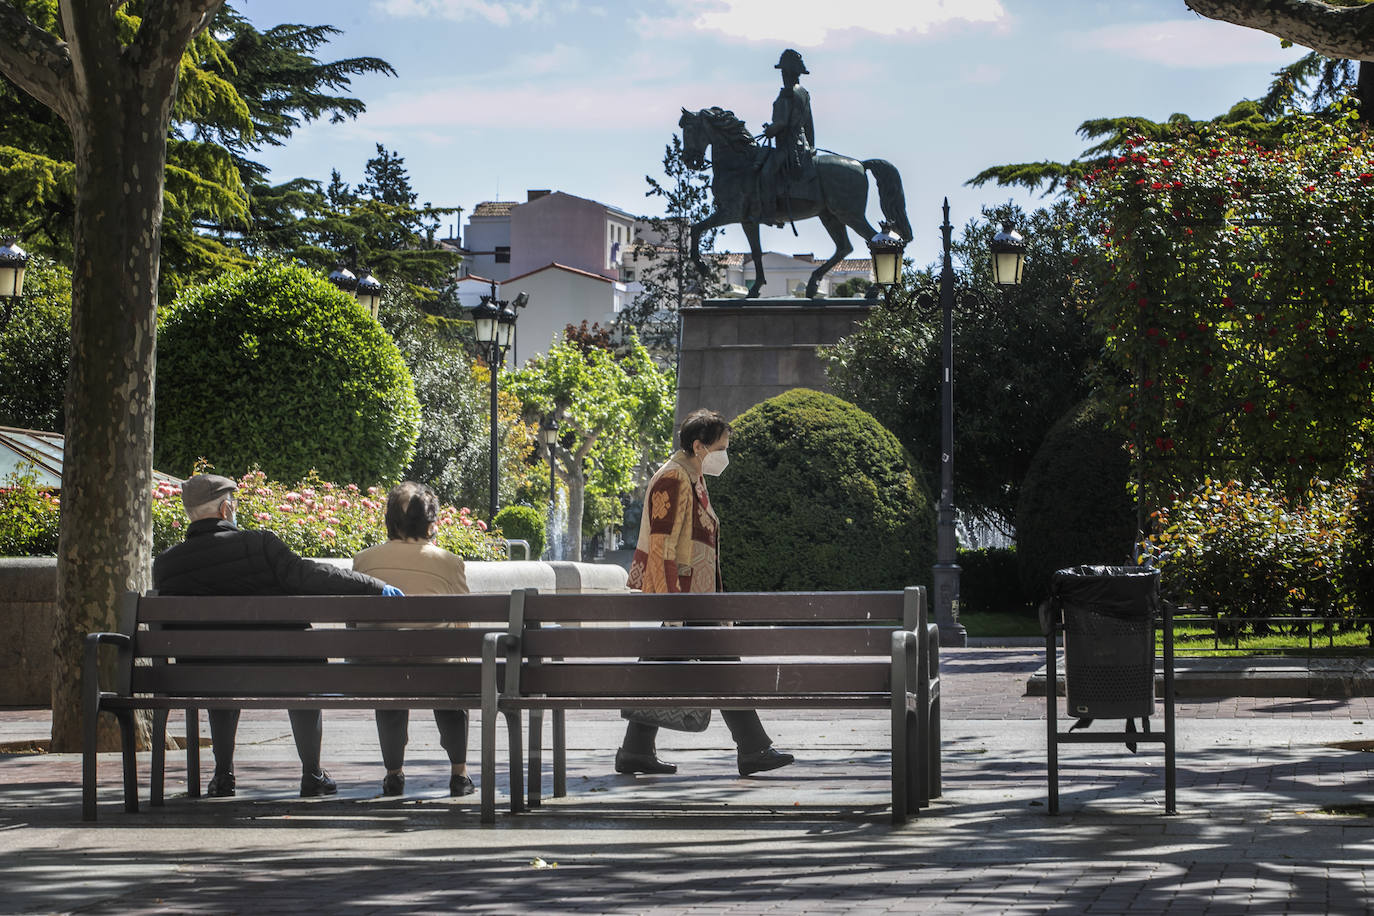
891, 197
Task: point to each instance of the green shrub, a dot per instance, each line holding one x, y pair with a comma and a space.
28, 516
990, 582
819, 495
34, 349
1075, 508
1357, 570
274, 367
523, 523
1249, 551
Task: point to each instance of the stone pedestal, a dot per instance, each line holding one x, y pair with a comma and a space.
734, 353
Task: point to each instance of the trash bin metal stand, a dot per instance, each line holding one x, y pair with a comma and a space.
1054, 737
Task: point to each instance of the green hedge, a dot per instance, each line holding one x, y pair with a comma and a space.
273, 367
818, 495
990, 582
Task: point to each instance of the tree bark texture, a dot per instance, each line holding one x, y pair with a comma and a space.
1336, 31
116, 99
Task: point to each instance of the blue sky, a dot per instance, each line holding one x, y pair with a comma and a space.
493, 98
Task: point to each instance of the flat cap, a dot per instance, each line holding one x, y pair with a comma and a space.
205, 488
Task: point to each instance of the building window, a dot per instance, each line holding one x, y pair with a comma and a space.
502, 254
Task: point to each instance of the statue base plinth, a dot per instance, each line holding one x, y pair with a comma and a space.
734, 353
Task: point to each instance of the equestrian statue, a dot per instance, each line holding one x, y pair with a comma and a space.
788, 181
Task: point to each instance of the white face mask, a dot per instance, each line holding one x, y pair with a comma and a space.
712, 463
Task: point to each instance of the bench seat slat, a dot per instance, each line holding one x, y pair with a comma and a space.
701, 642
305, 678
692, 678
431, 644
710, 701
201, 701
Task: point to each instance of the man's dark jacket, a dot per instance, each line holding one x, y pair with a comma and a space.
218, 559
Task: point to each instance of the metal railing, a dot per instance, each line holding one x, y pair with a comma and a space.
1309, 632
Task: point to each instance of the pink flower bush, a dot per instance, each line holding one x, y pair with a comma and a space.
315, 521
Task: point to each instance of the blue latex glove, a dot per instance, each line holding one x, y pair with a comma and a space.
391, 591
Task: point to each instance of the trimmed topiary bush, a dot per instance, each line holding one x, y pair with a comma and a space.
274, 367
820, 496
1075, 509
990, 582
523, 523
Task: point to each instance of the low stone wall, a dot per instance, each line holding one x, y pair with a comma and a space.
28, 607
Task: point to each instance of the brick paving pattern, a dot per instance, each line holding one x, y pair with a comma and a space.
1274, 818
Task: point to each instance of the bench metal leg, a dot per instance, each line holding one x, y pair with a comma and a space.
129, 748
156, 778
489, 762
535, 787
901, 763
560, 754
193, 753
1051, 720
90, 730
517, 788
935, 783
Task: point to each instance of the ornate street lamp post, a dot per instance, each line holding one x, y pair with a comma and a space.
1008, 258
494, 325
13, 261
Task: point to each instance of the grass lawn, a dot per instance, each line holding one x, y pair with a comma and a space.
1003, 624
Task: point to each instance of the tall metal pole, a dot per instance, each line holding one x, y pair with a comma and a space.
952, 633
496, 360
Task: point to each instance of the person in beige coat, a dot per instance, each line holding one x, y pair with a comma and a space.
678, 551
410, 561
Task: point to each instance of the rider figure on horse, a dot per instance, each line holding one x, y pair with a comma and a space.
786, 169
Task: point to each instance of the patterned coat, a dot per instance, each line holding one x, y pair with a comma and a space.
678, 525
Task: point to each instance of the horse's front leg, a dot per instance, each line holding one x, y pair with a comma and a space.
751, 232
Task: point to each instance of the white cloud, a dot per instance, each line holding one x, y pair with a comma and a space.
541, 109
807, 23
497, 12
1185, 43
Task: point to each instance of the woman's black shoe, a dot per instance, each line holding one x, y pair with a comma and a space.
459, 785
629, 764
394, 784
767, 759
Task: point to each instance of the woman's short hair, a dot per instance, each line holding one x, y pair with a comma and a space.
412, 510
702, 425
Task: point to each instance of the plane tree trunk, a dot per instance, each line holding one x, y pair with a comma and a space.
116, 99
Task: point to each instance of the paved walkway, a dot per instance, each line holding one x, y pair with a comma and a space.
1274, 817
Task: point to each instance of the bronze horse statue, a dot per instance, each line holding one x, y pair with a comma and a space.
843, 190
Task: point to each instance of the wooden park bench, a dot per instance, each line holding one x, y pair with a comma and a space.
797, 650
239, 656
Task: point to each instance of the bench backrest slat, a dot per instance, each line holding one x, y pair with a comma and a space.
779, 607
307, 678
153, 609
703, 642
353, 644
665, 679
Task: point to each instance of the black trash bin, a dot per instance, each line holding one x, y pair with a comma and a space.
1109, 644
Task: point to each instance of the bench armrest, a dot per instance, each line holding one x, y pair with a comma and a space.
492, 645
91, 668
